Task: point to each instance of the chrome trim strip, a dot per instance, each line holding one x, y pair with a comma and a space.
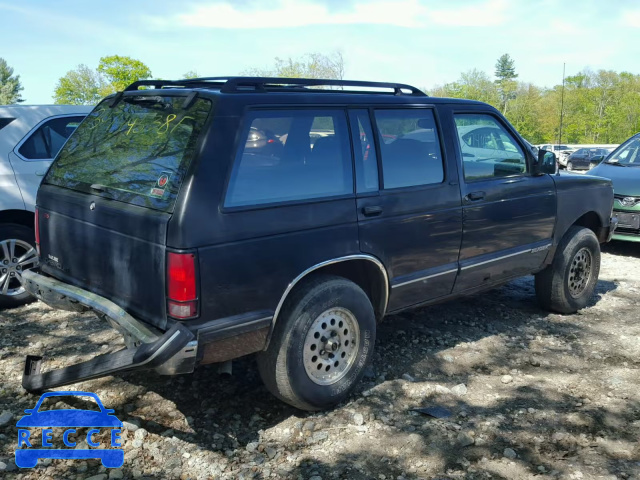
293, 283
529, 250
424, 278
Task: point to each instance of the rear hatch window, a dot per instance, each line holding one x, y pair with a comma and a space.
135, 152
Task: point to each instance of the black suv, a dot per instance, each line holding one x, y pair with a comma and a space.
213, 218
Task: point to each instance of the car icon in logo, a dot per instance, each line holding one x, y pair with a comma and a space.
74, 418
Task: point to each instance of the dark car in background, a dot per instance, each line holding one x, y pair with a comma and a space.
378, 201
586, 158
623, 168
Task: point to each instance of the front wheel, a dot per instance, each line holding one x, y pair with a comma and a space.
322, 341
568, 283
17, 253
570, 166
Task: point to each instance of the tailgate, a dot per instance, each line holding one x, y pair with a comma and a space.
111, 248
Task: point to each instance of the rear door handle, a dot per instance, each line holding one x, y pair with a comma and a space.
372, 211
41, 173
475, 196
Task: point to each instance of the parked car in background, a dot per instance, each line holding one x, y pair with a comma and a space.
622, 166
586, 158
30, 138
563, 157
556, 149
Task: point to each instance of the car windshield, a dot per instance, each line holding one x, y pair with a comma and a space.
137, 151
628, 155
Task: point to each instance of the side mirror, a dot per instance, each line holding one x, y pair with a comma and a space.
547, 163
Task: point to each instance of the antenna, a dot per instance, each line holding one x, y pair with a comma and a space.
562, 104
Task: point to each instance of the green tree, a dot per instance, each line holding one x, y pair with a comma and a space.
473, 85
82, 86
10, 86
506, 80
122, 71
190, 74
310, 65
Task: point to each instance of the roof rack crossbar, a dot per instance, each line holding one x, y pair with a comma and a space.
264, 84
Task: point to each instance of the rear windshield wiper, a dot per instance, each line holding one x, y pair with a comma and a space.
98, 187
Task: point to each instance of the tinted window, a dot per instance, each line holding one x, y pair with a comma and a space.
290, 155
409, 147
136, 152
48, 139
365, 151
488, 150
5, 121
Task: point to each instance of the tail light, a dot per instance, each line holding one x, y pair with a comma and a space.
37, 229
182, 297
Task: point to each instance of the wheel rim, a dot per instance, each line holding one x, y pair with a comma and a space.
16, 256
331, 346
580, 272
569, 166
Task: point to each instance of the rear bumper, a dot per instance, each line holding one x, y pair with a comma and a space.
176, 351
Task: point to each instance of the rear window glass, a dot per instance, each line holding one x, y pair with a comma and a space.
291, 155
136, 152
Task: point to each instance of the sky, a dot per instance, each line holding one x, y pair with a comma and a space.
420, 42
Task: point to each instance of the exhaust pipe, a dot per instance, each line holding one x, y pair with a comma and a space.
225, 369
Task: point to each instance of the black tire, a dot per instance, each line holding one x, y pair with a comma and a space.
282, 366
25, 234
570, 166
558, 287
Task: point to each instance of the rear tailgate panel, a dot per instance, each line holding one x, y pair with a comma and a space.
114, 249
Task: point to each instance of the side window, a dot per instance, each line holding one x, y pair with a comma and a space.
48, 139
365, 151
289, 155
410, 147
488, 150
5, 121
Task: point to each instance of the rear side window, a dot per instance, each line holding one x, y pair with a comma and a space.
410, 147
5, 121
136, 152
47, 140
291, 155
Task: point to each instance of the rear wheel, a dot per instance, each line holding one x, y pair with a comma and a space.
568, 283
17, 253
322, 341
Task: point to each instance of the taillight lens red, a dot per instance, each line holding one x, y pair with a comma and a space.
181, 285
37, 229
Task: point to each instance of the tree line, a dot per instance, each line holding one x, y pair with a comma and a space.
597, 106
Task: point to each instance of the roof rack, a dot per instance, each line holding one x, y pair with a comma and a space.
267, 84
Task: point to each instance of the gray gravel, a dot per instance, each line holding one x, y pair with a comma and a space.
532, 395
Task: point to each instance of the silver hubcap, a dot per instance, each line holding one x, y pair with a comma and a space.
15, 257
580, 272
331, 346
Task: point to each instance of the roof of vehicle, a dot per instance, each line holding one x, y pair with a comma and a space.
352, 91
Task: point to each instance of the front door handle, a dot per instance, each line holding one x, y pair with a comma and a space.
474, 196
372, 211
41, 173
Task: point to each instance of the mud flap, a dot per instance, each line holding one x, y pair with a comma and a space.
172, 343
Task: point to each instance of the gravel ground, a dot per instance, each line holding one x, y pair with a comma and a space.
531, 394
